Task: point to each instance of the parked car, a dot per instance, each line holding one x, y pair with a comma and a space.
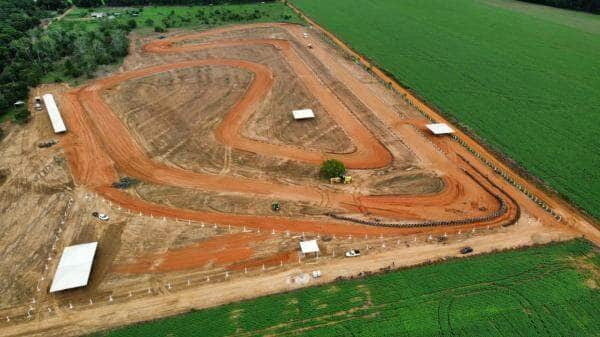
101, 216
353, 253
466, 250
37, 103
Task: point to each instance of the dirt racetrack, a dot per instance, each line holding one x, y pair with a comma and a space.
203, 120
118, 147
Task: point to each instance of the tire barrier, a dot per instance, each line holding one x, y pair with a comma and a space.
507, 178
503, 209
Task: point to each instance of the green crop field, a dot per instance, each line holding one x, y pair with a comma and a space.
543, 291
524, 78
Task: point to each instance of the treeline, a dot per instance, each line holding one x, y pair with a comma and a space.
592, 6
98, 3
29, 52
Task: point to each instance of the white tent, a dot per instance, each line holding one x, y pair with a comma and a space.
439, 128
55, 118
303, 114
74, 267
310, 246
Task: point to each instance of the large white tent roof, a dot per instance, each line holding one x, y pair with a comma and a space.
440, 128
310, 246
55, 118
303, 114
74, 267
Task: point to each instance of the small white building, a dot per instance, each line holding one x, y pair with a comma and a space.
303, 114
309, 246
97, 15
74, 267
440, 128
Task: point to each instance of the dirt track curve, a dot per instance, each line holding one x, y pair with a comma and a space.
99, 143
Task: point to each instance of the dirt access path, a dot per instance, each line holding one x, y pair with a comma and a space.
99, 142
84, 320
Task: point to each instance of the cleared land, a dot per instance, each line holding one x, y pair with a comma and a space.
203, 120
542, 291
525, 80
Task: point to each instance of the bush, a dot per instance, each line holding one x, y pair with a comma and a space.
159, 29
332, 168
131, 24
21, 116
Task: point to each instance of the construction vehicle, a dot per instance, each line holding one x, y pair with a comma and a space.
341, 179
276, 206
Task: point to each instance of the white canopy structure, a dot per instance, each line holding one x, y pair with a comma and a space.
303, 114
74, 267
55, 118
440, 128
310, 246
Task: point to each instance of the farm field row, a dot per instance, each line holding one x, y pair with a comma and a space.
517, 78
546, 290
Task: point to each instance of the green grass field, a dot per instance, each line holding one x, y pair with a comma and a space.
524, 78
183, 16
542, 291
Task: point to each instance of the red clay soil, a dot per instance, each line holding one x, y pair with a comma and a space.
369, 153
219, 250
270, 261
99, 143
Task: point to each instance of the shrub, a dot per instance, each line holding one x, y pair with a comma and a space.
21, 116
159, 29
332, 168
131, 24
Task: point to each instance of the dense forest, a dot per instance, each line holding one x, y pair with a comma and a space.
592, 6
29, 50
32, 51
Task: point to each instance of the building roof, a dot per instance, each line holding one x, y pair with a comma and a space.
310, 246
440, 128
55, 118
74, 267
303, 114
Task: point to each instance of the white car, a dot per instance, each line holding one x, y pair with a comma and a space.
353, 253
103, 217
316, 273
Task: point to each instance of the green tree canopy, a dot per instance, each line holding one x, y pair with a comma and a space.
332, 168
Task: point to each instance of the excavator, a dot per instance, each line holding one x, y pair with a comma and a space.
341, 179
